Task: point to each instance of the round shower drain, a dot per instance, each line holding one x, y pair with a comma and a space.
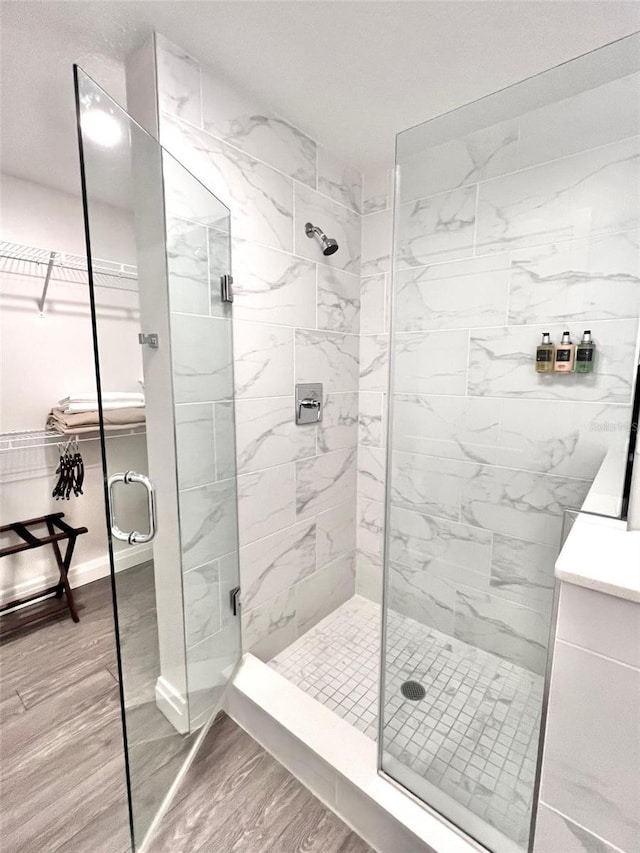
413, 690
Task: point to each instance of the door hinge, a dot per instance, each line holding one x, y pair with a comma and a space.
150, 340
226, 294
234, 596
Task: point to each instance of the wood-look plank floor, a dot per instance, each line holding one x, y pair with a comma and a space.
62, 782
238, 799
62, 778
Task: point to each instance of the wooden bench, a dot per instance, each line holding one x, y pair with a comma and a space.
58, 531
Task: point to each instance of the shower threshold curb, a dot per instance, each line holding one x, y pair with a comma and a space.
336, 762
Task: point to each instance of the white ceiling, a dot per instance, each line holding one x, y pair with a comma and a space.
351, 74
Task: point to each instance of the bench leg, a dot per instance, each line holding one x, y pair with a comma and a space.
63, 568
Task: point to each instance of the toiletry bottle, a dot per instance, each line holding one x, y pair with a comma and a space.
565, 355
585, 353
544, 355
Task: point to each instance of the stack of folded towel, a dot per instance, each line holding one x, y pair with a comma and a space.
79, 412
110, 400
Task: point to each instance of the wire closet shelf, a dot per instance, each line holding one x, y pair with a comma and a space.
31, 438
18, 259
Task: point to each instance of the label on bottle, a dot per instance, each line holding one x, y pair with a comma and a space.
544, 355
563, 354
584, 354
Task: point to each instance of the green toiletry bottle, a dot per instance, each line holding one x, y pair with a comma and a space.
585, 354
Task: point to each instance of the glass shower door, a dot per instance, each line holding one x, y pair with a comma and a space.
516, 217
165, 391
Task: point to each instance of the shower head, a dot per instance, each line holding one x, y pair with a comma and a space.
329, 245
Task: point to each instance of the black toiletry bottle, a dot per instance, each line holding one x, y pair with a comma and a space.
585, 354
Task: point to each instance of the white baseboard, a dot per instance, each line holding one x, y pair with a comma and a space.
172, 704
81, 573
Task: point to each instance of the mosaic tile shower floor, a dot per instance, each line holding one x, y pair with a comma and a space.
474, 735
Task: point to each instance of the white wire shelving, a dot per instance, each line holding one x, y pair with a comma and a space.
18, 259
33, 438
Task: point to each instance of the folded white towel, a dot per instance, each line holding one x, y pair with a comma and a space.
74, 408
107, 397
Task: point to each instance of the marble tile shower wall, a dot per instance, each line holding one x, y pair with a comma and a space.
375, 287
296, 319
520, 228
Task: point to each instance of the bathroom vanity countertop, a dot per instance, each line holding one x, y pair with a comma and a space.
601, 554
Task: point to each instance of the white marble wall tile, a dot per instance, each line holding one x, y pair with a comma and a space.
377, 232
519, 503
178, 81
589, 280
374, 363
336, 533
377, 190
339, 425
592, 118
508, 630
488, 152
272, 287
225, 428
325, 481
590, 193
324, 591
338, 300
195, 444
263, 359
431, 362
185, 197
201, 603
426, 599
327, 357
457, 295
448, 549
570, 438
501, 363
371, 415
523, 571
277, 562
268, 629
430, 485
601, 623
208, 663
231, 116
187, 266
369, 576
261, 199
267, 435
208, 523
202, 356
466, 428
336, 221
555, 831
598, 786
266, 502
371, 473
373, 305
440, 228
337, 180
370, 527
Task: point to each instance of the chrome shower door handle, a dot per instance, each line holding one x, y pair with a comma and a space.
135, 537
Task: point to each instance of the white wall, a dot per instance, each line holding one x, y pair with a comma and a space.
45, 358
